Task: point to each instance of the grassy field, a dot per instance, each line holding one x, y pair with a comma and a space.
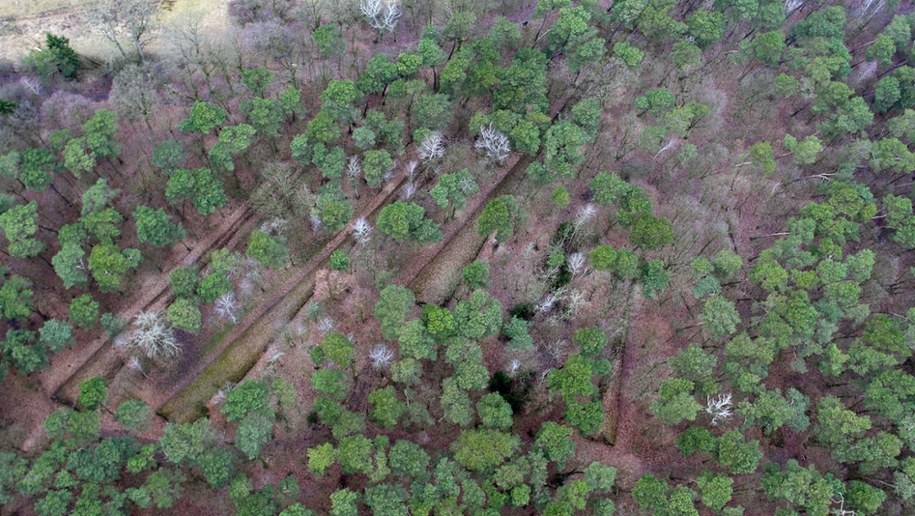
23, 24
29, 8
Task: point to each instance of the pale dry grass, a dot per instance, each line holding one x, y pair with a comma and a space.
23, 24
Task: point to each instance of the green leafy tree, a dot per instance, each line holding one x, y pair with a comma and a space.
184, 314
716, 489
481, 450
650, 232
84, 311
203, 118
56, 335
23, 351
155, 227
199, 186
736, 454
249, 397
478, 316
375, 164
333, 210
339, 98
386, 408
69, 264
93, 393
454, 190
16, 298
499, 216
109, 265
476, 274
675, 402
19, 225
494, 411
392, 309
719, 317
354, 454
415, 341
267, 249
321, 458
406, 221
133, 414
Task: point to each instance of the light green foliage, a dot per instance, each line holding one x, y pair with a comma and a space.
415, 341
155, 227
454, 190
354, 454
455, 404
133, 415
109, 265
392, 308
84, 311
333, 209
56, 335
93, 393
590, 341
375, 164
864, 498
16, 298
249, 397
694, 364
716, 489
738, 455
338, 99
184, 314
499, 216
651, 494
494, 412
203, 118
719, 317
184, 281
630, 55
69, 264
199, 186
19, 225
478, 316
518, 334
254, 430
432, 111
406, 221
650, 232
476, 274
675, 402
320, 458
408, 459
343, 503
386, 409
481, 450
805, 151
267, 249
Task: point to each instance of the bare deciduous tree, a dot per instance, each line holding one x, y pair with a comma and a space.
432, 147
153, 336
381, 355
719, 407
353, 168
226, 307
132, 18
362, 231
576, 263
493, 144
381, 15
